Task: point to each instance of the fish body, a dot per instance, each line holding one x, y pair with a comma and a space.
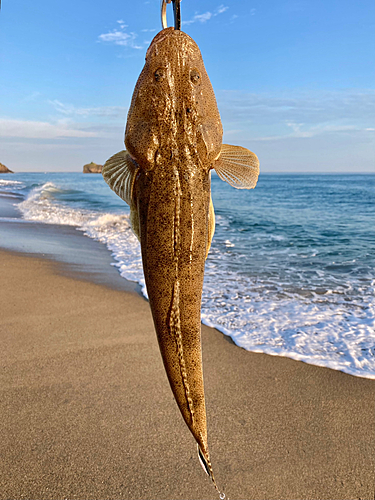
172, 199
173, 139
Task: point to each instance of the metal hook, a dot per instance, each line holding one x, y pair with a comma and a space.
164, 13
177, 13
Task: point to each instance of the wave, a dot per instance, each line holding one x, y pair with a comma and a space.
6, 182
113, 230
11, 185
331, 327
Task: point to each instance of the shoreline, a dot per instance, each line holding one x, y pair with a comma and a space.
87, 411
311, 324
81, 255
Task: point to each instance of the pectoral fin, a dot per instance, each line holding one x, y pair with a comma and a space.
237, 166
120, 172
211, 226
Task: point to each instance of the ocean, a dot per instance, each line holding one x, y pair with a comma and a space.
291, 267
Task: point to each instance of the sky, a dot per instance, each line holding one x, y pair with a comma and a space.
294, 79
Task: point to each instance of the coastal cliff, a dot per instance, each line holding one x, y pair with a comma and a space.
92, 168
4, 169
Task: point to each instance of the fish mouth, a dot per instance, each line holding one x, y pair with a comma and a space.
160, 37
165, 34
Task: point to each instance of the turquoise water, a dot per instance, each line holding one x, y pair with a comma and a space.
291, 267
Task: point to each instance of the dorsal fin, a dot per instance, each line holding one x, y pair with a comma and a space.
119, 173
237, 166
134, 221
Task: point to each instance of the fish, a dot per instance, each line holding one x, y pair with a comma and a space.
173, 140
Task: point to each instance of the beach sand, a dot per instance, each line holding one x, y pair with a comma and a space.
86, 411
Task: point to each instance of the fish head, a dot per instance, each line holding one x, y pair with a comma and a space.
173, 113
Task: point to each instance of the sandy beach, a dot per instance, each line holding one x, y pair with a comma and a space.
87, 412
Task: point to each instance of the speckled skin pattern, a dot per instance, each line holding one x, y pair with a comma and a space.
174, 133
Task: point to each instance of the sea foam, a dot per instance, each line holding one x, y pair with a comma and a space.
11, 187
331, 326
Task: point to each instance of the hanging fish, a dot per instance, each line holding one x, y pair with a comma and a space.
173, 139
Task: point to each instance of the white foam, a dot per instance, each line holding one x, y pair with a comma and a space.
10, 185
113, 230
334, 333
7, 182
41, 206
332, 328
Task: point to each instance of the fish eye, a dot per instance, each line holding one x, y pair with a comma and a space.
195, 76
160, 74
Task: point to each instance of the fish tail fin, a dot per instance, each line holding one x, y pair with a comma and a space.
205, 462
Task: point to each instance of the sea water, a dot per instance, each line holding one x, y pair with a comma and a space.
291, 267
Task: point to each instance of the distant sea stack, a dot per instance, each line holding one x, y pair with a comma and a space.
5, 170
92, 168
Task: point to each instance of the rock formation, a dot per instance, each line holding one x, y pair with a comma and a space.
92, 168
4, 169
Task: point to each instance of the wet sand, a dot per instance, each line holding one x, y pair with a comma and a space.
86, 411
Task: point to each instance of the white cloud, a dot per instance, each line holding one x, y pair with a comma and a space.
32, 97
102, 111
306, 130
122, 24
203, 18
303, 131
220, 10
296, 114
41, 130
119, 36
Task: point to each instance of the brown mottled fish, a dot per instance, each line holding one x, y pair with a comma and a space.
173, 139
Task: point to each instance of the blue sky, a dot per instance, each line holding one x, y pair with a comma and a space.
294, 79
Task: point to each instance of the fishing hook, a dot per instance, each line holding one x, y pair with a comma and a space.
176, 11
